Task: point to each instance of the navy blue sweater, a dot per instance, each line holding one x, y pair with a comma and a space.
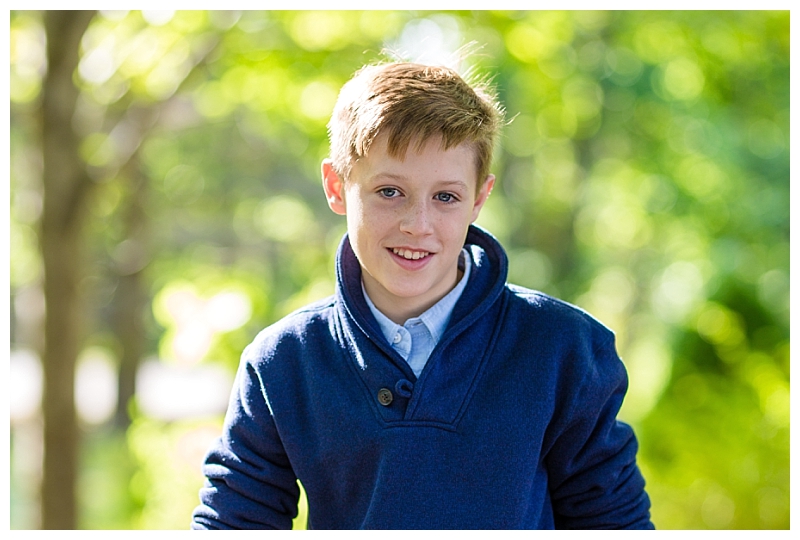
511, 425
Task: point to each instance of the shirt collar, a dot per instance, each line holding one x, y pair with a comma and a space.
437, 316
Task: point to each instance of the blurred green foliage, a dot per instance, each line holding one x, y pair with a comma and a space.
644, 176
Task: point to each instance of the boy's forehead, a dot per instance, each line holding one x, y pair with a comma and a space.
379, 160
381, 153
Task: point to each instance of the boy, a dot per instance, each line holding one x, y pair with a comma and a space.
426, 393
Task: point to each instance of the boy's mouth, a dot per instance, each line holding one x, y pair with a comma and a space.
410, 255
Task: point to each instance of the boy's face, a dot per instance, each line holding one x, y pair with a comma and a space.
407, 220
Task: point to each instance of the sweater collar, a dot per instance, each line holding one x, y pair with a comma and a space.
486, 282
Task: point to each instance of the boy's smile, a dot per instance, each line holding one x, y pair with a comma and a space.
407, 220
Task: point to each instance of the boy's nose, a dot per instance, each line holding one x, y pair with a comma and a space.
417, 220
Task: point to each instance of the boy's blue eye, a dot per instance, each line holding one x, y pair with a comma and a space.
388, 192
445, 197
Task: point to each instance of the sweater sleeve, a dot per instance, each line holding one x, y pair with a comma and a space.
250, 483
594, 480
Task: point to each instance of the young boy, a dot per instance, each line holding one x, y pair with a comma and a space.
427, 392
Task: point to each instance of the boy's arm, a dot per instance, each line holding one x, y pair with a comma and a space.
250, 483
594, 480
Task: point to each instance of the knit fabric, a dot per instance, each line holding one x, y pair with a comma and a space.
510, 425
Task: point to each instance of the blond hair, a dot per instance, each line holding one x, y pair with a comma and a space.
412, 102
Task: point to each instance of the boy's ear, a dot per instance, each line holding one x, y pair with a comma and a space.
334, 188
483, 194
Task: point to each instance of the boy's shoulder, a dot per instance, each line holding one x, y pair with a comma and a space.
556, 313
577, 348
297, 329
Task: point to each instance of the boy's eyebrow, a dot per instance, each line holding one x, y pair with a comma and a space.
387, 176
391, 176
460, 183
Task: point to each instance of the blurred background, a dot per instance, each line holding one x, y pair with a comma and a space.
166, 205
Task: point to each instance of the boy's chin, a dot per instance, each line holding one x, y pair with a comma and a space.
414, 296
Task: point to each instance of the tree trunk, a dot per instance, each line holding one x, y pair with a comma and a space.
131, 298
66, 185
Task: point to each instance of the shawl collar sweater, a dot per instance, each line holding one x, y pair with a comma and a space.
510, 425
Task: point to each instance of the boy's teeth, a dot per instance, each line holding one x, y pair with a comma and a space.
408, 254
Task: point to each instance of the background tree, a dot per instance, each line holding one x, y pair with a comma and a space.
66, 186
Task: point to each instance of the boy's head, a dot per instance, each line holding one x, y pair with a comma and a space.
411, 147
412, 103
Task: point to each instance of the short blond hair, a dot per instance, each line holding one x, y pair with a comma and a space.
412, 102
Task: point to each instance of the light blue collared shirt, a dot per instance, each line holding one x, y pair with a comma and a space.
418, 336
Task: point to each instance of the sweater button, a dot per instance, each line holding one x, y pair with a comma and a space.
385, 397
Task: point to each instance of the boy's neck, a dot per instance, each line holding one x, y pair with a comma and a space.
399, 310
